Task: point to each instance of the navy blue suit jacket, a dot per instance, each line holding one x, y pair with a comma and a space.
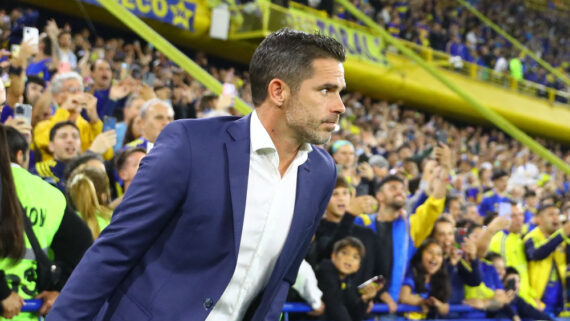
172, 245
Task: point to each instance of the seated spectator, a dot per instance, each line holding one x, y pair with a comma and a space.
343, 301
492, 199
155, 114
426, 283
546, 264
64, 144
520, 307
68, 96
88, 190
52, 221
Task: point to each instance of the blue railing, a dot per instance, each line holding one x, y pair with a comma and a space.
461, 311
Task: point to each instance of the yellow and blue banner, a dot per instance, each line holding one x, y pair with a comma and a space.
358, 43
179, 13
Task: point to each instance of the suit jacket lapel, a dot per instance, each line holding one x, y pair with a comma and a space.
303, 213
238, 163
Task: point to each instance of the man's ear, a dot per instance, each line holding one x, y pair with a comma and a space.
20, 157
278, 92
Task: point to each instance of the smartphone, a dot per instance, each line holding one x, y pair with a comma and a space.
32, 36
23, 111
124, 71
109, 123
230, 90
510, 285
505, 209
379, 279
460, 234
441, 137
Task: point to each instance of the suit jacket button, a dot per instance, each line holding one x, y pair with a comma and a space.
208, 303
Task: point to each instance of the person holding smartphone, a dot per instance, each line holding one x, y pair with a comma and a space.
343, 299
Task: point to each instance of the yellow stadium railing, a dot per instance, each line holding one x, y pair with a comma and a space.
147, 33
481, 73
486, 112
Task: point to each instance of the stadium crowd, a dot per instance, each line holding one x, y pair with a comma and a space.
431, 212
449, 27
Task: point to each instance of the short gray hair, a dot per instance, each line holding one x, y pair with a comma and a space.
131, 99
59, 79
155, 101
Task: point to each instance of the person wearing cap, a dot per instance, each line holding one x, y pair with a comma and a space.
546, 251
492, 199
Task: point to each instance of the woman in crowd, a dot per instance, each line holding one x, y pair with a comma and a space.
426, 283
89, 192
30, 206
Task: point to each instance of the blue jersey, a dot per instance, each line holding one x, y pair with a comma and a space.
491, 201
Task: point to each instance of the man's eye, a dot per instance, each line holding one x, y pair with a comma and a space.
324, 91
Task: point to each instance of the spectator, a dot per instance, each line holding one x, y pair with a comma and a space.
155, 114
343, 301
67, 94
510, 246
88, 190
53, 223
64, 144
546, 264
461, 270
492, 199
130, 113
530, 203
110, 98
66, 55
380, 166
426, 283
46, 59
520, 307
127, 164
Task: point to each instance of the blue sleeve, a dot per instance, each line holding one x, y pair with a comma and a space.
497, 284
527, 311
540, 253
472, 276
423, 197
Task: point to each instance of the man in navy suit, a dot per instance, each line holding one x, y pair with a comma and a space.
220, 215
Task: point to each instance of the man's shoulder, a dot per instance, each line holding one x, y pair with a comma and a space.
205, 126
322, 158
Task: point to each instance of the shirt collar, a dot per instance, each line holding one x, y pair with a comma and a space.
261, 142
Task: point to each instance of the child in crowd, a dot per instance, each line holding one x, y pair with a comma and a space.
426, 283
343, 300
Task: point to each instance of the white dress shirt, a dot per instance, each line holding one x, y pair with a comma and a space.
268, 213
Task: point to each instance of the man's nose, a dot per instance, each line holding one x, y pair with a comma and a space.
338, 106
